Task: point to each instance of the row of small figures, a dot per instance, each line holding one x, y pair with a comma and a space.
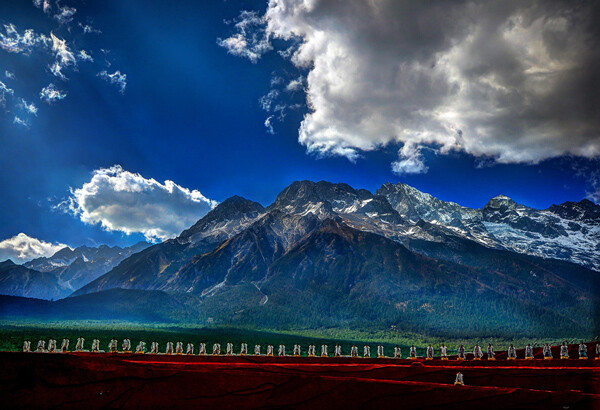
512, 352
216, 350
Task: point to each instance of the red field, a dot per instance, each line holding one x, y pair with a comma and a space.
97, 380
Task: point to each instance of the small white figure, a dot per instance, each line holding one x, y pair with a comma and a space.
528, 352
547, 352
582, 350
113, 345
461, 353
564, 350
216, 349
189, 350
512, 353
490, 352
477, 353
444, 352
338, 350
429, 353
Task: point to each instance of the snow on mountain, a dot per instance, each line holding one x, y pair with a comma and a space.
570, 231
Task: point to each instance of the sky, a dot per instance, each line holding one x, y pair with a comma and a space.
123, 121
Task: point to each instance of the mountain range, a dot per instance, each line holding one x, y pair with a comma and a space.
67, 270
325, 254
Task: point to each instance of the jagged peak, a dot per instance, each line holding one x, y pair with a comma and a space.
230, 208
7, 262
500, 201
502, 198
300, 193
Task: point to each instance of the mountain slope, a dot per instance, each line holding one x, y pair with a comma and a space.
17, 280
570, 231
151, 268
327, 254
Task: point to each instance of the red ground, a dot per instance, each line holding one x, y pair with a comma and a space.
167, 381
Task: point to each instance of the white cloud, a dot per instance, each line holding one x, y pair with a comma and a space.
296, 84
20, 121
84, 56
63, 54
410, 161
50, 94
251, 41
22, 248
267, 101
592, 191
29, 108
115, 78
44, 5
120, 200
4, 91
65, 14
87, 29
9, 75
14, 42
269, 125
511, 81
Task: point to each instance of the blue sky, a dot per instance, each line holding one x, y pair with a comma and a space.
190, 111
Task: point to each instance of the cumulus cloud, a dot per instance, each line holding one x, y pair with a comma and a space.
50, 94
512, 81
22, 248
120, 200
410, 160
10, 75
120, 80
